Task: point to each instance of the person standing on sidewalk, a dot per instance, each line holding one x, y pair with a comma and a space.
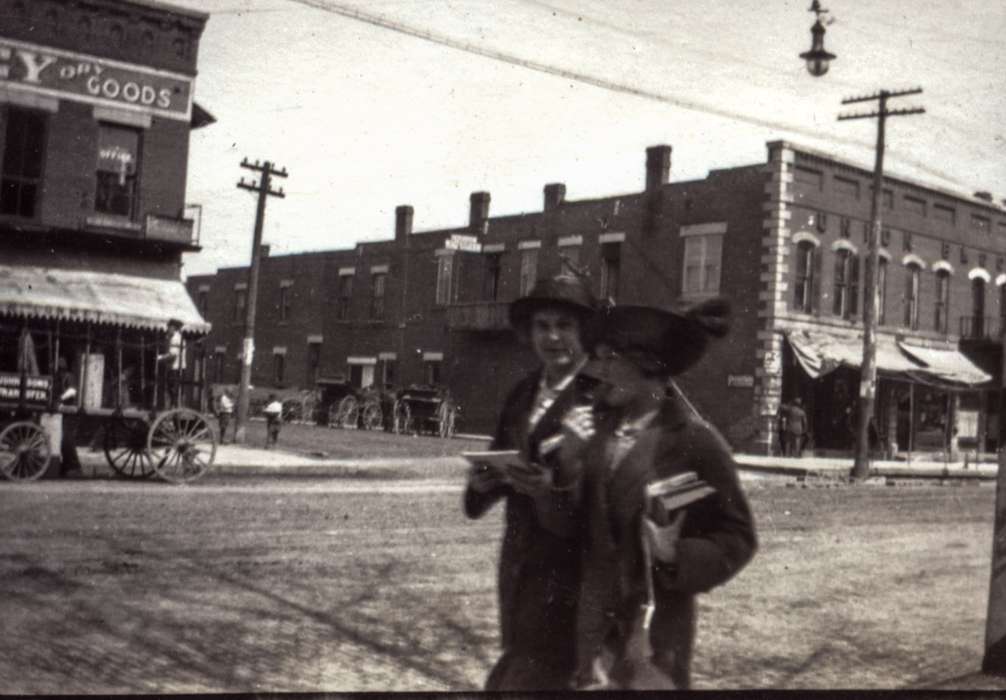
273, 418
538, 566
225, 409
796, 429
636, 616
781, 419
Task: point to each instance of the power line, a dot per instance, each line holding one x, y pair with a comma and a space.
603, 83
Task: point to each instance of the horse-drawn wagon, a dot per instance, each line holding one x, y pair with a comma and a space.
425, 409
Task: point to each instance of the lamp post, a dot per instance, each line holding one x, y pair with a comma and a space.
818, 60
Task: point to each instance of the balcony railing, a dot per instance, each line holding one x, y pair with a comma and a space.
981, 327
478, 316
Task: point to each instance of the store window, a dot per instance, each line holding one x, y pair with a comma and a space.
912, 278
378, 282
702, 262
803, 299
942, 300
118, 166
23, 156
846, 283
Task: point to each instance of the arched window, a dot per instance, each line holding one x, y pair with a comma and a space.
804, 284
912, 296
942, 301
846, 283
978, 307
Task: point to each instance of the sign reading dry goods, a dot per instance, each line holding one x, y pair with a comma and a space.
74, 76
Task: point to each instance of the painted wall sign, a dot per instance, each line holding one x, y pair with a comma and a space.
84, 78
36, 390
745, 381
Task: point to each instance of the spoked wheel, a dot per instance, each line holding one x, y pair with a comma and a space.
182, 444
24, 451
346, 414
373, 418
126, 448
402, 418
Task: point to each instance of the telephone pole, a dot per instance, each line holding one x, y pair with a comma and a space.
871, 292
263, 188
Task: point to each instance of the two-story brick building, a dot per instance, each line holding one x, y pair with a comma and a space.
96, 109
782, 239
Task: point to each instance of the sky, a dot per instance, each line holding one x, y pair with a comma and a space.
369, 105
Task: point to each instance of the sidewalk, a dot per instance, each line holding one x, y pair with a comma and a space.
839, 467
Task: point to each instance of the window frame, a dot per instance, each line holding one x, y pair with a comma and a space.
22, 179
803, 280
528, 269
702, 241
913, 285
134, 193
445, 280
378, 283
941, 307
344, 299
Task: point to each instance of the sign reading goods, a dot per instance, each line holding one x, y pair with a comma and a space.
96, 80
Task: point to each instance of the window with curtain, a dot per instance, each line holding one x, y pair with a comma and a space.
118, 167
702, 261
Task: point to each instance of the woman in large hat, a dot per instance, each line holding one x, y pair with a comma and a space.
538, 566
640, 571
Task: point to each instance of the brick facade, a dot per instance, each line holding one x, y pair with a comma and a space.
746, 223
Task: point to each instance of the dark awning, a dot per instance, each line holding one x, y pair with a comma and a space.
75, 295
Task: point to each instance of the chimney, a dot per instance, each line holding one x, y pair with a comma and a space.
555, 193
478, 213
403, 222
658, 167
984, 196
263, 250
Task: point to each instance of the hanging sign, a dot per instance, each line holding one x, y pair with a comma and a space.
83, 78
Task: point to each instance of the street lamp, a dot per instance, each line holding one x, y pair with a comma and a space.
818, 60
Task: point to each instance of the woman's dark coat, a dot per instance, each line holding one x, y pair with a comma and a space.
717, 538
538, 568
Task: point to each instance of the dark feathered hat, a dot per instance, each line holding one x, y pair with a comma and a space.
659, 341
564, 291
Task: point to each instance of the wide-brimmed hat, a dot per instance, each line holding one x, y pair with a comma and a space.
660, 341
563, 291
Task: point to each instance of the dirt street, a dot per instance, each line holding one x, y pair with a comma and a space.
256, 584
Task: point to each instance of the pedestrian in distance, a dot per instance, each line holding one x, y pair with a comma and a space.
781, 420
273, 418
796, 429
67, 385
538, 562
640, 573
225, 411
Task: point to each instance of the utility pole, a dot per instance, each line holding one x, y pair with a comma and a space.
264, 190
871, 292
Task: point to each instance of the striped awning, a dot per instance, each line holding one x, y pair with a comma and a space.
75, 295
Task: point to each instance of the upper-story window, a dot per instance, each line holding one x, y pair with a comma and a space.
912, 280
940, 318
240, 302
23, 156
611, 266
493, 263
118, 166
915, 205
219, 365
808, 176
528, 269
881, 290
377, 282
284, 302
278, 368
845, 187
445, 279
980, 223
570, 257
846, 283
942, 212
345, 297
805, 266
203, 302
978, 306
313, 362
702, 263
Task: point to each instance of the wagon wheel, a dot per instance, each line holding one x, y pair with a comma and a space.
24, 451
402, 416
346, 413
126, 448
448, 415
182, 445
373, 418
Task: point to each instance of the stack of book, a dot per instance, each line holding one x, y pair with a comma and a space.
665, 498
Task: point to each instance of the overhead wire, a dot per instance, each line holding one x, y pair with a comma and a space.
384, 22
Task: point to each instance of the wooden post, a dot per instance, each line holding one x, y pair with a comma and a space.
143, 370
118, 368
995, 621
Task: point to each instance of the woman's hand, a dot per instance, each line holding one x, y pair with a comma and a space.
663, 541
483, 478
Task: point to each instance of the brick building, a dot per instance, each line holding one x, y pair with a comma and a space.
96, 109
782, 239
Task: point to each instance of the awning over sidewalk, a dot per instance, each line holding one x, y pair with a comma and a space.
949, 365
73, 295
821, 352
